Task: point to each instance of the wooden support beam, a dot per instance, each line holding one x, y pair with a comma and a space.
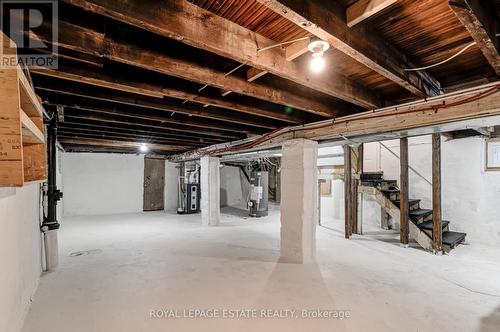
142, 114
423, 117
115, 120
72, 128
121, 144
295, 50
361, 44
98, 78
437, 239
49, 88
483, 131
404, 206
254, 73
347, 191
85, 40
131, 129
147, 136
363, 9
208, 31
480, 20
82, 135
292, 52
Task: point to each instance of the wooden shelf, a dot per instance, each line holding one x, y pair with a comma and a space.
22, 138
31, 133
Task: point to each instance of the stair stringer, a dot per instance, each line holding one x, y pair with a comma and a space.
424, 240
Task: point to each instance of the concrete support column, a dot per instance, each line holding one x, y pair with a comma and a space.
210, 191
299, 199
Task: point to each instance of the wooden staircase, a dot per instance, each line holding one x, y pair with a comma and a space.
386, 193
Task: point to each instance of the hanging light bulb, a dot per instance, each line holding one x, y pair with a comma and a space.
318, 47
317, 63
143, 148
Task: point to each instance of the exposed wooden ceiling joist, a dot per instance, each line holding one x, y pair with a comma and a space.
98, 78
190, 24
72, 129
363, 9
133, 129
422, 117
103, 119
358, 42
82, 39
64, 133
121, 144
142, 102
481, 21
144, 114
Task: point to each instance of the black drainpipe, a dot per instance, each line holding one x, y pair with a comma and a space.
53, 194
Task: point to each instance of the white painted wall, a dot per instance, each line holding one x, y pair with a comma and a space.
171, 186
332, 206
234, 188
470, 195
60, 185
99, 183
21, 253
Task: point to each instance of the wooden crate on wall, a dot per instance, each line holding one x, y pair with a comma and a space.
22, 139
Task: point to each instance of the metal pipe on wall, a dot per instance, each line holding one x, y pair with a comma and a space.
50, 224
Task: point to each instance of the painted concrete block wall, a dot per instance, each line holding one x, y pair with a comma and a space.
21, 248
96, 183
470, 195
234, 188
332, 206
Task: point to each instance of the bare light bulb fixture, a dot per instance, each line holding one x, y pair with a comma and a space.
144, 148
318, 48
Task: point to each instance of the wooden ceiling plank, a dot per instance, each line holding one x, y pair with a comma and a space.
482, 24
195, 26
364, 9
358, 42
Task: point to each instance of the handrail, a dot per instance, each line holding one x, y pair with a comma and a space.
414, 170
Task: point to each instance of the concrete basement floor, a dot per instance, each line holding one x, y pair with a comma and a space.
136, 263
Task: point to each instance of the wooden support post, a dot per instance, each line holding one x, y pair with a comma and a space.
357, 169
404, 208
436, 194
347, 190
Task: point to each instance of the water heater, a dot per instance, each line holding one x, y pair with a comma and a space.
258, 194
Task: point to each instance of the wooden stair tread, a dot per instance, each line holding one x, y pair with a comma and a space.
411, 201
452, 238
427, 225
420, 212
391, 191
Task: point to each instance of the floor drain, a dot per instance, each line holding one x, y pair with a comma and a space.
85, 252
